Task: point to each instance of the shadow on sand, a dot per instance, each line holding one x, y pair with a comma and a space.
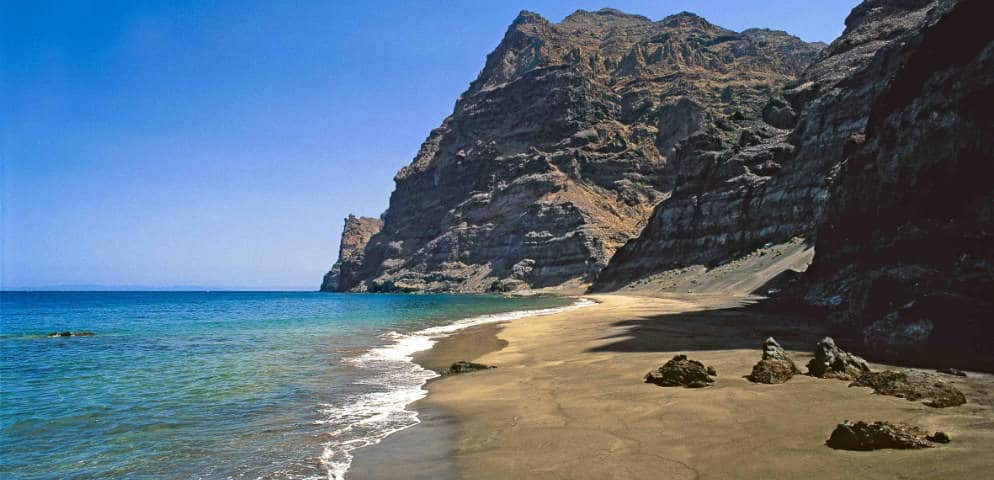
743, 327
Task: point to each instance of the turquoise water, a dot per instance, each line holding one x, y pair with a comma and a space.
213, 385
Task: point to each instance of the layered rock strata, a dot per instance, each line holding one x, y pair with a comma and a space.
905, 255
355, 235
773, 184
558, 152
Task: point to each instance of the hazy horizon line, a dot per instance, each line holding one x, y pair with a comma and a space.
157, 288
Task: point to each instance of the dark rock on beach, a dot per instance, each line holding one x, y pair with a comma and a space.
775, 366
682, 372
463, 366
830, 361
913, 386
878, 435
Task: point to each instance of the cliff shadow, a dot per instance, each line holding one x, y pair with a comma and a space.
743, 327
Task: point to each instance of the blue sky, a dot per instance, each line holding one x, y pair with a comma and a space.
222, 143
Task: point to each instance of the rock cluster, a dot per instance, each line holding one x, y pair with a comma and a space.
682, 372
831, 361
775, 366
913, 386
873, 436
463, 366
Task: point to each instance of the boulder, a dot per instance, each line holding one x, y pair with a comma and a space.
832, 362
877, 435
682, 372
913, 386
463, 366
775, 366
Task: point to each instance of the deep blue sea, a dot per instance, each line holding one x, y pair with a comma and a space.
215, 385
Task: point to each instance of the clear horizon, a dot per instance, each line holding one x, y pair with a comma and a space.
187, 144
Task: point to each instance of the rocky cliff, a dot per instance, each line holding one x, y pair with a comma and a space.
905, 255
573, 132
355, 235
772, 185
678, 155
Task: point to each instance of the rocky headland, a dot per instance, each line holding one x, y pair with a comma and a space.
558, 152
612, 152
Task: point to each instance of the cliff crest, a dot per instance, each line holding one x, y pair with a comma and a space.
558, 152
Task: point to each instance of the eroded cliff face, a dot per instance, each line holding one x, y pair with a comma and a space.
355, 235
772, 185
905, 255
557, 154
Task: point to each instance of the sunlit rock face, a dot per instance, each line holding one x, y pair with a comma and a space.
559, 151
355, 235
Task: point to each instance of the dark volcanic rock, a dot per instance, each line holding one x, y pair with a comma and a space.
905, 253
877, 435
71, 334
731, 201
913, 386
557, 153
463, 366
355, 236
831, 361
681, 372
775, 366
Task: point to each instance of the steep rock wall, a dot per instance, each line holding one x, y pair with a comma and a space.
558, 152
772, 185
906, 251
355, 235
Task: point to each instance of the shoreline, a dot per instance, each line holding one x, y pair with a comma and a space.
567, 401
429, 352
424, 451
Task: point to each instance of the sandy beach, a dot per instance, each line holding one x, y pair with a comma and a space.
568, 401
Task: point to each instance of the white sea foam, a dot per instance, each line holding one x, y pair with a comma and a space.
368, 418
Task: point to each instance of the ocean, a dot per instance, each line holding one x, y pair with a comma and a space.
211, 385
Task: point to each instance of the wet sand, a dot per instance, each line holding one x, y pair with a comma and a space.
424, 451
568, 401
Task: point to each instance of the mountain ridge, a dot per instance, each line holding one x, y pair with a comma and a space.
556, 154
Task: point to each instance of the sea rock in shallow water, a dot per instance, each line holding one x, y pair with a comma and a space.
682, 372
71, 334
877, 435
463, 366
775, 367
832, 362
913, 386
